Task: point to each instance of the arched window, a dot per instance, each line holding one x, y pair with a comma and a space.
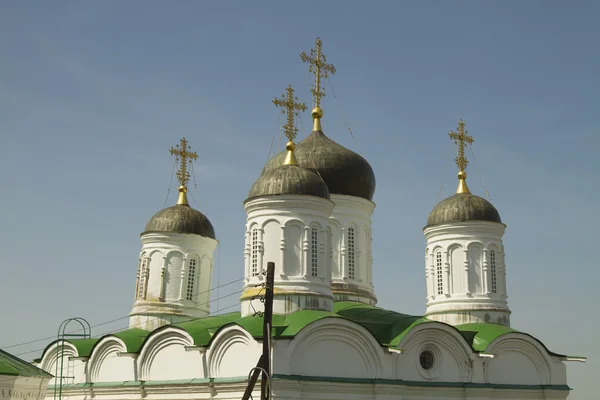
314, 252
439, 272
143, 272
191, 281
493, 278
351, 255
255, 252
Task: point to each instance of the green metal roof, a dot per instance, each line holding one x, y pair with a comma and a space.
14, 366
387, 327
480, 336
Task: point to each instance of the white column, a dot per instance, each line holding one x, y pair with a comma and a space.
466, 269
282, 247
247, 253
184, 268
448, 286
486, 273
305, 262
261, 251
161, 292
322, 259
343, 258
432, 274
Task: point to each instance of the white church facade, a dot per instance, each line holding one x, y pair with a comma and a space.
310, 212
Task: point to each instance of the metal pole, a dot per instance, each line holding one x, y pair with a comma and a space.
264, 362
268, 323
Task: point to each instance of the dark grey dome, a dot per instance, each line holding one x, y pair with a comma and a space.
181, 219
344, 171
463, 207
289, 179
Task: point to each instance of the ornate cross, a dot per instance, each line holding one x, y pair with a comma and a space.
318, 66
461, 139
291, 108
183, 154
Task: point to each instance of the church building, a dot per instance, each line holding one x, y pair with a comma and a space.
309, 211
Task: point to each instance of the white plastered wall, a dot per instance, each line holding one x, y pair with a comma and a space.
163, 278
473, 283
352, 213
280, 229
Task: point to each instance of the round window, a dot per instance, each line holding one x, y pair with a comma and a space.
426, 359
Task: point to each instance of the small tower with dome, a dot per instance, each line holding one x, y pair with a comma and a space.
464, 259
288, 210
176, 261
351, 183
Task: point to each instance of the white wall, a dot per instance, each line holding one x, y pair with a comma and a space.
352, 212
279, 229
167, 258
468, 289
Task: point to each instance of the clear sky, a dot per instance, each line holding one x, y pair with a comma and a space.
93, 94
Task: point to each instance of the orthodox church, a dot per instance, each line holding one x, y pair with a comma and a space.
310, 213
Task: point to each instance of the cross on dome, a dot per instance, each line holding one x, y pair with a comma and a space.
318, 66
184, 155
291, 107
461, 138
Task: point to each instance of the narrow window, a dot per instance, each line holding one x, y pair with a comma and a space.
142, 282
493, 271
351, 259
254, 252
314, 251
191, 280
439, 272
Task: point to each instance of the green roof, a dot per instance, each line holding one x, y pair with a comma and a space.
387, 327
12, 365
480, 336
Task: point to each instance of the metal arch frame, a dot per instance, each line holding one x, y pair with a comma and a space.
60, 348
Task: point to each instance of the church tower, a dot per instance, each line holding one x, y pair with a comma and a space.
288, 210
176, 261
464, 259
351, 183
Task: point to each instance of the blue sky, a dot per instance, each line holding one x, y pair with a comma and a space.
93, 95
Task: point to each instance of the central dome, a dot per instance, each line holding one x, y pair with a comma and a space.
344, 171
289, 179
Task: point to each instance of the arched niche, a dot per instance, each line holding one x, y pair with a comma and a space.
232, 353
518, 359
335, 344
51, 362
170, 354
107, 363
451, 355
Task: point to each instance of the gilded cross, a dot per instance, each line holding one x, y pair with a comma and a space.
291, 108
461, 138
183, 154
319, 67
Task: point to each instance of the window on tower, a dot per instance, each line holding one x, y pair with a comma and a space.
255, 252
191, 281
439, 272
314, 251
493, 277
351, 255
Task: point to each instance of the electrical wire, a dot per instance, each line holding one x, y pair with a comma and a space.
136, 325
118, 319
